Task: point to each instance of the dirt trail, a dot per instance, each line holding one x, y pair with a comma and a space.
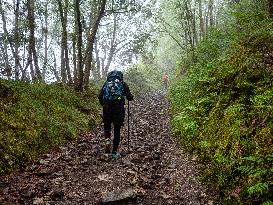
156, 169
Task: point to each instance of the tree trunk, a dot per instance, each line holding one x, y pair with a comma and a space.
14, 51
4, 47
78, 30
97, 70
32, 48
189, 26
207, 21
16, 43
55, 68
210, 10
201, 21
104, 72
32, 72
91, 40
67, 66
45, 42
270, 8
112, 45
25, 63
167, 30
63, 70
87, 59
7, 67
74, 59
195, 36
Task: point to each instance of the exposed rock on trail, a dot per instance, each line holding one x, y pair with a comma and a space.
155, 171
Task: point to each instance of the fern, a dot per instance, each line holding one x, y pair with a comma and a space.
259, 188
270, 157
256, 169
267, 203
254, 159
246, 169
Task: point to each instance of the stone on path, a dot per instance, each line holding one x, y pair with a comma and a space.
44, 172
38, 201
57, 194
118, 197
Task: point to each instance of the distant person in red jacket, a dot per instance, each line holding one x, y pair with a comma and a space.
165, 80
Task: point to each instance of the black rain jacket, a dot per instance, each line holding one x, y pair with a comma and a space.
114, 112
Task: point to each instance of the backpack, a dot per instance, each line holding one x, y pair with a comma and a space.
113, 88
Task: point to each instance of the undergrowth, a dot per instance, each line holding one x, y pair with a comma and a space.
222, 107
37, 117
142, 79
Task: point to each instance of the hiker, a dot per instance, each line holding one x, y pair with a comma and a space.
112, 98
165, 79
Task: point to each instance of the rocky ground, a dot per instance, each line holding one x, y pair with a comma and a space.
154, 171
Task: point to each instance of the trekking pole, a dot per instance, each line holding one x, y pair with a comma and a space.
128, 143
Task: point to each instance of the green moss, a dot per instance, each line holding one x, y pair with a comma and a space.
37, 117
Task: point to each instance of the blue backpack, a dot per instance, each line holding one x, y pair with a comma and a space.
113, 89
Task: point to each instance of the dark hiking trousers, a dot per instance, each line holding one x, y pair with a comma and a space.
113, 113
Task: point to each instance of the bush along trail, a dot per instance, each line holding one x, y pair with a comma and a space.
155, 171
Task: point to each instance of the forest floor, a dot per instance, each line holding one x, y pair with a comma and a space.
155, 171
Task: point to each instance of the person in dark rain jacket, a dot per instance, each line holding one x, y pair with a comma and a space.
112, 98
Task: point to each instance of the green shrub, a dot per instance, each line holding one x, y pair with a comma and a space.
222, 106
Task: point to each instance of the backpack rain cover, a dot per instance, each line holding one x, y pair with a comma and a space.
113, 89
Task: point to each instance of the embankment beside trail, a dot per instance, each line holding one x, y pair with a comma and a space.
37, 117
222, 107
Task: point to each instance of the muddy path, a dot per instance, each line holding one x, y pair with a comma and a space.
155, 171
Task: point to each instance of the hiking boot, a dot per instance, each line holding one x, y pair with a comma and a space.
108, 145
115, 155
